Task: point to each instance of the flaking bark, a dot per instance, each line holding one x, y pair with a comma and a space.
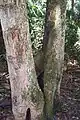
25, 91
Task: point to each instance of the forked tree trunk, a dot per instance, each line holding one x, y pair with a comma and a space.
24, 87
54, 53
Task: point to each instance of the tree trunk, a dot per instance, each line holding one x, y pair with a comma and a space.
53, 52
72, 9
26, 95
72, 5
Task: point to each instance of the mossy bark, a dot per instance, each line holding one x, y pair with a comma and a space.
24, 87
53, 53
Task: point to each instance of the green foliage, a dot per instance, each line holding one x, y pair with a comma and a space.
71, 37
36, 12
77, 13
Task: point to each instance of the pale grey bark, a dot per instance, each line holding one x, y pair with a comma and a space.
54, 53
25, 91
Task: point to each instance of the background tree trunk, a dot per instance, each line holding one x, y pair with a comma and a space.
25, 91
53, 52
72, 5
72, 10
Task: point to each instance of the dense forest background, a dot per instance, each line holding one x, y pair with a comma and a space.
36, 11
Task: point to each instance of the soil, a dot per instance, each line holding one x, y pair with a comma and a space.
69, 98
70, 95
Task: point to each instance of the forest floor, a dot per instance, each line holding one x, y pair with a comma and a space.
70, 95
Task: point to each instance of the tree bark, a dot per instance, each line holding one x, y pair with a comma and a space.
73, 5
25, 91
53, 52
72, 9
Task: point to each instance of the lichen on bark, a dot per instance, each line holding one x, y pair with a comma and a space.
54, 54
25, 91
